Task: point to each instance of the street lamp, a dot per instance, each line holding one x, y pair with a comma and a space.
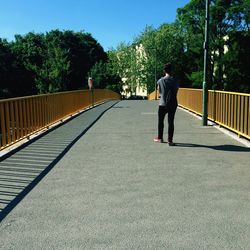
205, 74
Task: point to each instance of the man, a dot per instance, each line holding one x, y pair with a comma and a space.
168, 87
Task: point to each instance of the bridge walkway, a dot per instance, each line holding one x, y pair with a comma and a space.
100, 182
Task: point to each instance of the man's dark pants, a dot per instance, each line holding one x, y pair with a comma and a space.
162, 111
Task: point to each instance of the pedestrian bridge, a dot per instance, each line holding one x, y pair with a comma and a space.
98, 181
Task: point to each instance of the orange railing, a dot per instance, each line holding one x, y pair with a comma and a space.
231, 110
228, 109
153, 95
191, 99
22, 117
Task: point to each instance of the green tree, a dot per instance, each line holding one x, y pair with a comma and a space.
190, 20
120, 62
104, 77
27, 50
227, 17
98, 75
55, 61
161, 45
82, 52
238, 71
52, 75
6, 67
149, 62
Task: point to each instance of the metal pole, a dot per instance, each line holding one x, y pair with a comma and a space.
205, 74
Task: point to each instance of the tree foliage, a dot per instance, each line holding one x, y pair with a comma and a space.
46, 63
228, 19
62, 60
103, 76
181, 43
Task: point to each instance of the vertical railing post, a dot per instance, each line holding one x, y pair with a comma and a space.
214, 111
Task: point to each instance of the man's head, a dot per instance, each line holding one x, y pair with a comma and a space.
168, 68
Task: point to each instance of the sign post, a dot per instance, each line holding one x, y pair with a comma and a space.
90, 83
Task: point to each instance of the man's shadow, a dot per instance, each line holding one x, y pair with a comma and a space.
227, 147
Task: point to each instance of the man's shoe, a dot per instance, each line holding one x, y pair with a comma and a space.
157, 139
170, 143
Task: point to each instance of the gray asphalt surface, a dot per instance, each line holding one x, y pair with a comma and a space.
115, 188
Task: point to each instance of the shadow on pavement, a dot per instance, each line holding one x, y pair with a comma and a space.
21, 171
232, 148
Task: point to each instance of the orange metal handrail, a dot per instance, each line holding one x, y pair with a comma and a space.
24, 116
228, 109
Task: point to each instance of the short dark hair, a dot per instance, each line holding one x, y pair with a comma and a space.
168, 67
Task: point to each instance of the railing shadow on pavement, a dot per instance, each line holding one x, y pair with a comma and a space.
18, 178
232, 148
23, 182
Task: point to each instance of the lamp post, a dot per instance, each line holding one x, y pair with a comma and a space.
205, 74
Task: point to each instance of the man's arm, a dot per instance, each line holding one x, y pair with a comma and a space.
177, 85
158, 86
158, 89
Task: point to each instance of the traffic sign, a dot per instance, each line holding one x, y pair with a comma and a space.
90, 82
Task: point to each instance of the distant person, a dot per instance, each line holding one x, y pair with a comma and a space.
168, 87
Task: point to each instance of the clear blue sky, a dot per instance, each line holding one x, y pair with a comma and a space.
109, 21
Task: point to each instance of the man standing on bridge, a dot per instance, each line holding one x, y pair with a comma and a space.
168, 87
